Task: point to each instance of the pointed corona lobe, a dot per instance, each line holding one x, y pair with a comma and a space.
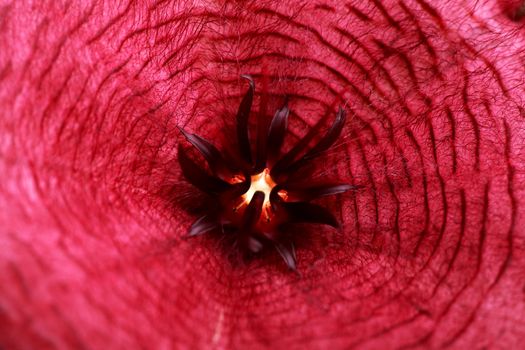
242, 121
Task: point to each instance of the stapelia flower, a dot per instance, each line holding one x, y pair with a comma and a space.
258, 191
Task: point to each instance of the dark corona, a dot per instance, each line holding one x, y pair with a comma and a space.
259, 191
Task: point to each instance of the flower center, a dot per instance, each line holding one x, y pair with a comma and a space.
260, 182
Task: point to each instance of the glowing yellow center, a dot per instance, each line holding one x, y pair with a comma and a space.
261, 182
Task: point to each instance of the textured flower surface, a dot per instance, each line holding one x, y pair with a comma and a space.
260, 191
95, 210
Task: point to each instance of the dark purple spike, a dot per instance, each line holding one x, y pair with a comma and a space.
212, 155
301, 212
198, 177
287, 252
330, 137
276, 133
325, 143
290, 156
308, 193
253, 211
203, 225
263, 123
242, 121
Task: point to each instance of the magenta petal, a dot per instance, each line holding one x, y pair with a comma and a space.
212, 155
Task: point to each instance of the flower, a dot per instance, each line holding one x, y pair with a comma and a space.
259, 193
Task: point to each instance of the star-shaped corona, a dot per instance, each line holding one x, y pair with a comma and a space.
261, 190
